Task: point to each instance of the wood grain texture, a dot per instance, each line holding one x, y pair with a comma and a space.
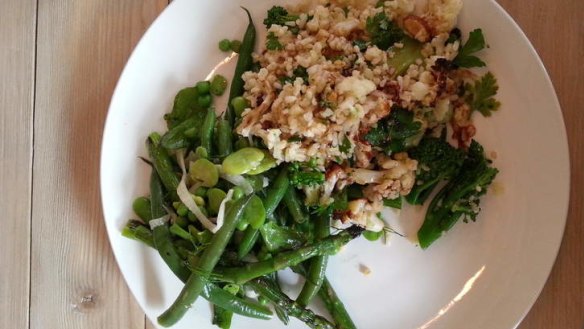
556, 29
82, 48
17, 49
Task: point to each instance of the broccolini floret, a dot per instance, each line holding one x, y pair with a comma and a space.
437, 161
460, 198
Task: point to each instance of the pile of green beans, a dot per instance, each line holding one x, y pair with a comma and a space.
238, 186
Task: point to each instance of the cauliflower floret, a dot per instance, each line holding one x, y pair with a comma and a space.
442, 14
364, 214
397, 178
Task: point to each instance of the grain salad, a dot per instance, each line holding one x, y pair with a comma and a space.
325, 84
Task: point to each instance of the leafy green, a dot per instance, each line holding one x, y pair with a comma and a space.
393, 203
475, 43
272, 42
280, 16
185, 103
345, 146
382, 31
362, 44
460, 198
394, 132
438, 161
480, 96
277, 238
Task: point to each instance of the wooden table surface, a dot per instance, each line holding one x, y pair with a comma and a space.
59, 63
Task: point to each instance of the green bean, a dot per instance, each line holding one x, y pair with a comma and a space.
317, 267
161, 233
218, 85
224, 138
215, 197
164, 167
294, 205
284, 302
141, 207
205, 172
203, 87
227, 301
244, 63
222, 317
176, 137
332, 302
250, 271
274, 196
196, 282
137, 231
225, 45
180, 232
207, 128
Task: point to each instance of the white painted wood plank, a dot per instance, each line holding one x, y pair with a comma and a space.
82, 48
17, 46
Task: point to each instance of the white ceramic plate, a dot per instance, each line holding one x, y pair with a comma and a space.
481, 275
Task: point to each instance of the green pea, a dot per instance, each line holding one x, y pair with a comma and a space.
255, 213
205, 101
203, 87
225, 45
204, 171
201, 152
182, 222
192, 216
201, 191
239, 105
215, 197
199, 201
141, 207
372, 236
242, 161
182, 210
218, 85
268, 162
235, 45
237, 193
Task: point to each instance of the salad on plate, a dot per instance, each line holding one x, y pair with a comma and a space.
347, 108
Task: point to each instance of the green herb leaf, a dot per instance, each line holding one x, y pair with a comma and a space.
480, 96
475, 43
272, 42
